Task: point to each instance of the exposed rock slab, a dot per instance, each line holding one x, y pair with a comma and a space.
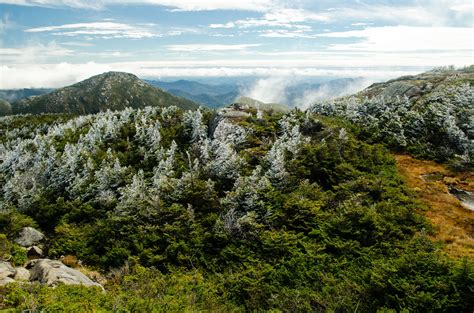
6, 270
22, 273
28, 237
6, 280
53, 273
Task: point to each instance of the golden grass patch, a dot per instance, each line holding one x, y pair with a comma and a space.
453, 222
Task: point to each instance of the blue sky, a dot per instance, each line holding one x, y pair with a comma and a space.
52, 43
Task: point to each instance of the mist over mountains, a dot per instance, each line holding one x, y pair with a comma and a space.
288, 90
291, 91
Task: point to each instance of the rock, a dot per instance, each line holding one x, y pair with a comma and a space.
29, 236
6, 270
53, 273
22, 273
34, 252
413, 92
6, 280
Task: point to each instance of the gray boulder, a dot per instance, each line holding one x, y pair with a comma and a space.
6, 270
28, 237
396, 89
53, 273
6, 280
22, 273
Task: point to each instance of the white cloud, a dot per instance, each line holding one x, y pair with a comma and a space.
226, 25
326, 91
420, 13
406, 38
33, 53
276, 89
104, 30
5, 24
77, 44
269, 90
209, 47
56, 3
284, 33
361, 24
283, 17
58, 75
186, 5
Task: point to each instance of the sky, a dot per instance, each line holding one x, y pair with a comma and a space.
53, 43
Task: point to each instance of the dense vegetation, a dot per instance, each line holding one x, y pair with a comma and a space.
188, 210
429, 115
111, 90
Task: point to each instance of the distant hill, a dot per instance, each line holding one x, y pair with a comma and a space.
111, 90
12, 95
416, 86
429, 115
213, 96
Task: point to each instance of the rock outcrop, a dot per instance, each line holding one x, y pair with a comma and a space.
53, 273
28, 237
6, 280
46, 272
22, 274
6, 270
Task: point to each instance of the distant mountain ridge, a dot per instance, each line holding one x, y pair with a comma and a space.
12, 95
111, 90
295, 93
213, 96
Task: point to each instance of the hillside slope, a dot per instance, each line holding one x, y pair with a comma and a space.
430, 115
415, 87
108, 91
190, 211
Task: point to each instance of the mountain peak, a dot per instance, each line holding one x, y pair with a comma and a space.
109, 90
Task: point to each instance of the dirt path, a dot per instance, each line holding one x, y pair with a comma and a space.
430, 181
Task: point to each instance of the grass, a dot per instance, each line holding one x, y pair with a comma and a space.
454, 223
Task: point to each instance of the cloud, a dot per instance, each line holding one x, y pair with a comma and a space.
226, 25
188, 5
210, 47
420, 13
280, 17
105, 30
34, 53
57, 75
294, 90
5, 24
269, 90
361, 24
284, 33
326, 91
405, 38
77, 44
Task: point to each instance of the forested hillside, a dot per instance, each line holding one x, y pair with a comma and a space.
430, 115
189, 210
107, 91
